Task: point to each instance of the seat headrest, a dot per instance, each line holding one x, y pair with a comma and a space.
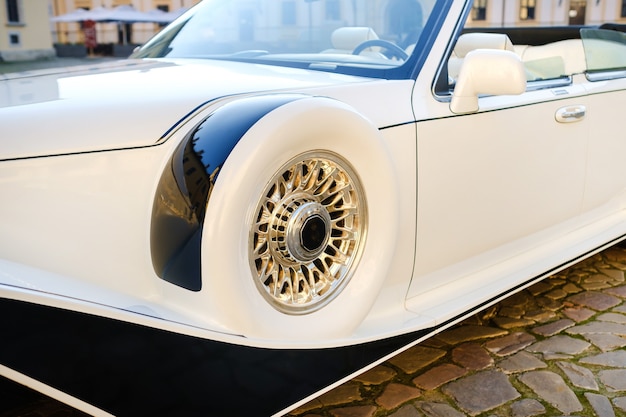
472, 41
349, 38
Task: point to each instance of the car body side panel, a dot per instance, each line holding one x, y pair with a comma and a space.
488, 179
64, 216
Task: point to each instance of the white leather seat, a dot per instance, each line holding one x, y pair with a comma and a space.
345, 39
471, 41
555, 59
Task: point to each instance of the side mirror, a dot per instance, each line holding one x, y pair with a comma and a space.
487, 71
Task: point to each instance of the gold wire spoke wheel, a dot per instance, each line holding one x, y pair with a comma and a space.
308, 232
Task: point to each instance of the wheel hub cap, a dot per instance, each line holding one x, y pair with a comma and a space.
308, 233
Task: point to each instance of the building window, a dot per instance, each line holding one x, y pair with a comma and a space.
333, 10
82, 4
479, 10
289, 13
14, 39
623, 8
164, 8
13, 11
527, 9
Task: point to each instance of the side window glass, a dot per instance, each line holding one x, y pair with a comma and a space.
553, 60
605, 51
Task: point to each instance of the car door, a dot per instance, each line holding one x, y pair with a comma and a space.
605, 190
494, 183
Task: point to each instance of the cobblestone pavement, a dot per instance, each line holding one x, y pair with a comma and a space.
555, 349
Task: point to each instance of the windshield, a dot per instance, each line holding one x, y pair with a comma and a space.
329, 35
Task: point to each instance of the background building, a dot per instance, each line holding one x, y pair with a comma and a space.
497, 13
25, 30
111, 33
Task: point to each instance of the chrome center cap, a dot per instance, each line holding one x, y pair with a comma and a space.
308, 232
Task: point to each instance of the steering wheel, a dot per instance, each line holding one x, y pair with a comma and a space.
393, 50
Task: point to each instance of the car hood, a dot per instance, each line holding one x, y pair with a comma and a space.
125, 104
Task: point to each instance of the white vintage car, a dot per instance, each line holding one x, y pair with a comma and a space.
269, 197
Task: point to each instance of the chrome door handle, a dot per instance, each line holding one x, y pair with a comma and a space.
570, 114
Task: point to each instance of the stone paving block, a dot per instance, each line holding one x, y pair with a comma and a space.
613, 318
600, 404
376, 375
549, 304
343, 394
621, 308
606, 341
597, 278
397, 394
512, 312
578, 314
613, 379
438, 376
354, 411
510, 344
557, 294
579, 376
471, 356
571, 288
595, 286
431, 409
521, 362
552, 389
481, 392
558, 280
540, 287
575, 276
620, 402
615, 260
512, 323
416, 358
599, 327
553, 328
540, 316
559, 345
470, 333
616, 359
595, 300
407, 411
615, 274
527, 408
617, 291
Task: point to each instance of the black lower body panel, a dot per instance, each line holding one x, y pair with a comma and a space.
129, 370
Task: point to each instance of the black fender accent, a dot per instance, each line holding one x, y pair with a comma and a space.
185, 186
